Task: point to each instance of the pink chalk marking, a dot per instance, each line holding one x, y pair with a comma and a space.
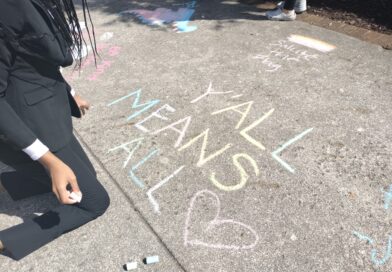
114, 51
101, 68
111, 51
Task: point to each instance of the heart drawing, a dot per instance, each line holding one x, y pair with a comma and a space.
216, 224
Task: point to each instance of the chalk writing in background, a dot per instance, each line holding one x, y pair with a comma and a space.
160, 16
136, 104
388, 251
284, 146
244, 132
244, 175
135, 145
180, 127
388, 198
285, 51
209, 92
159, 185
131, 172
312, 43
217, 224
374, 253
202, 157
106, 52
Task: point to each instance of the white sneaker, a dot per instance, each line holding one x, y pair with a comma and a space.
279, 15
300, 6
274, 12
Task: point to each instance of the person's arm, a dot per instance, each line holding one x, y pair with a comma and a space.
69, 87
82, 104
19, 134
11, 126
61, 176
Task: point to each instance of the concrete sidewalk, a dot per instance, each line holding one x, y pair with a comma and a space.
229, 143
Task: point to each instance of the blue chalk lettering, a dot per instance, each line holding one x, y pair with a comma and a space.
388, 198
363, 237
387, 254
152, 153
284, 146
136, 180
131, 173
136, 105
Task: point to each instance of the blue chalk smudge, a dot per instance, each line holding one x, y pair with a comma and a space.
363, 237
131, 173
387, 254
284, 146
135, 104
388, 198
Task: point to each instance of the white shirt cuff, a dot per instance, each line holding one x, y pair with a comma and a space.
36, 150
72, 92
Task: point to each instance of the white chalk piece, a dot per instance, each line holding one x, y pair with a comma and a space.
151, 260
130, 266
76, 196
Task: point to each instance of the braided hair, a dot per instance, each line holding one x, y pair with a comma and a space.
67, 20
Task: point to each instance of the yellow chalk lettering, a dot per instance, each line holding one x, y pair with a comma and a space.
243, 174
235, 108
202, 159
244, 132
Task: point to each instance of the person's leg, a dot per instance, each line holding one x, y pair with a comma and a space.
78, 149
289, 5
24, 177
29, 179
283, 12
23, 239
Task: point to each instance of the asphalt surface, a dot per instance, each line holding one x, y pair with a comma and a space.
228, 143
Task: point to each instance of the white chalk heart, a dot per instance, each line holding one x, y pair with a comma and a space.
215, 224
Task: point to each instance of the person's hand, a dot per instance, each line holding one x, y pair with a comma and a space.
82, 104
61, 176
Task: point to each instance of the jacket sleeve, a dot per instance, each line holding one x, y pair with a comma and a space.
70, 89
11, 126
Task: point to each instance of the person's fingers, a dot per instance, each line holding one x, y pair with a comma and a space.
82, 110
86, 106
74, 184
69, 201
64, 197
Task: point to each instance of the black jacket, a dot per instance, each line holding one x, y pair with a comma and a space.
35, 100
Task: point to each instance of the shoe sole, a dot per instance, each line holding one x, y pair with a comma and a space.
282, 20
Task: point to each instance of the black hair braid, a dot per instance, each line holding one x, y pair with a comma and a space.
92, 41
65, 15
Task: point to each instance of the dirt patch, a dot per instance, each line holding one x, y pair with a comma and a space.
369, 14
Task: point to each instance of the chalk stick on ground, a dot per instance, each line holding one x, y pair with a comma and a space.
151, 260
130, 266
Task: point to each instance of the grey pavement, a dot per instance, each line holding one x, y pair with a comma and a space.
284, 166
